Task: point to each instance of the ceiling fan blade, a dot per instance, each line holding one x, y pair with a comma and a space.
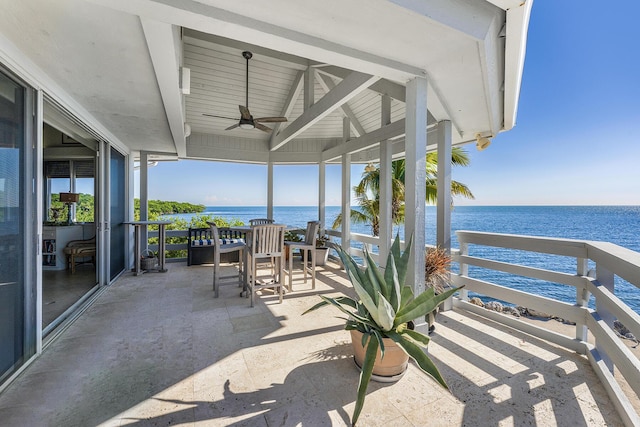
262, 127
271, 119
244, 111
233, 126
219, 117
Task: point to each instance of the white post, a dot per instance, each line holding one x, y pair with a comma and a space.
322, 166
144, 199
582, 298
443, 219
270, 189
444, 186
415, 176
386, 192
606, 279
345, 235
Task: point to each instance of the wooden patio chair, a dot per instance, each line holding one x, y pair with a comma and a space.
260, 221
307, 249
225, 245
265, 259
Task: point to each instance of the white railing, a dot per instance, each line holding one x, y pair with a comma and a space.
608, 352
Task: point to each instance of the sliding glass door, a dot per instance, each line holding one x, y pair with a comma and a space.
117, 200
17, 257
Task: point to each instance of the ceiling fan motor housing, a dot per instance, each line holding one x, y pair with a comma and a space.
247, 123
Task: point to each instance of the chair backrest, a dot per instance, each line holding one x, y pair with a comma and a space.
215, 236
260, 221
267, 240
312, 232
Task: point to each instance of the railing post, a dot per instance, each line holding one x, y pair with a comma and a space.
464, 269
605, 278
582, 298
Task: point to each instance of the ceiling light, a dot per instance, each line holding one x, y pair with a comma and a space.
247, 123
370, 167
482, 143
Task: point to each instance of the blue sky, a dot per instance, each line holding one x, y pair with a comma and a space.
573, 143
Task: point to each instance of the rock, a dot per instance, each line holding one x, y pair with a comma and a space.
622, 331
522, 310
494, 305
477, 301
511, 310
535, 313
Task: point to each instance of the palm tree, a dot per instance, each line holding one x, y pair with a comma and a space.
370, 185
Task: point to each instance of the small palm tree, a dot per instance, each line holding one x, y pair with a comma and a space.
369, 212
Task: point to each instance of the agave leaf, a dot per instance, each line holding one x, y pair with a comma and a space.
364, 296
421, 358
392, 282
402, 263
375, 277
422, 305
379, 337
341, 300
419, 338
354, 270
384, 315
365, 377
336, 303
406, 296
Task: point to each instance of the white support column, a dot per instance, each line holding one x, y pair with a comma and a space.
386, 191
443, 221
345, 236
309, 87
415, 175
270, 189
322, 201
144, 198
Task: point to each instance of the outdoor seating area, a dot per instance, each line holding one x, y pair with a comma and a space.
219, 362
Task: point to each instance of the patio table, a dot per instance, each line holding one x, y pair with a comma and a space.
137, 225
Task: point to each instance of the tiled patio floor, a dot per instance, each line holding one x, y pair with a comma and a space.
159, 350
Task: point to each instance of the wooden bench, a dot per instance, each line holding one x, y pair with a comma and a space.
200, 247
78, 249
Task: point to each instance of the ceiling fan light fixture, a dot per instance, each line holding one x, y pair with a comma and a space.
482, 143
247, 123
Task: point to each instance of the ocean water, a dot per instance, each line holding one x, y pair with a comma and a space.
615, 224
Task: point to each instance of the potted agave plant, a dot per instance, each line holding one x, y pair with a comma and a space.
380, 318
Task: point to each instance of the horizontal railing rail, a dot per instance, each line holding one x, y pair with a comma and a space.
608, 352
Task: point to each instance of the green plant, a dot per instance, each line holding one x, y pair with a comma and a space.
322, 241
383, 309
292, 236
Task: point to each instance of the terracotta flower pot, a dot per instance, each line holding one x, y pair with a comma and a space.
389, 368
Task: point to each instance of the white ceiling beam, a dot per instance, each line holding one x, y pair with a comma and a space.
292, 97
309, 88
214, 20
347, 89
328, 84
514, 53
233, 46
161, 42
390, 131
382, 86
468, 17
508, 4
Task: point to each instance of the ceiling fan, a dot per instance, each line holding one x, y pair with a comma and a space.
246, 120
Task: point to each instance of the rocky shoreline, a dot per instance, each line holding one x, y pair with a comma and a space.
520, 311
